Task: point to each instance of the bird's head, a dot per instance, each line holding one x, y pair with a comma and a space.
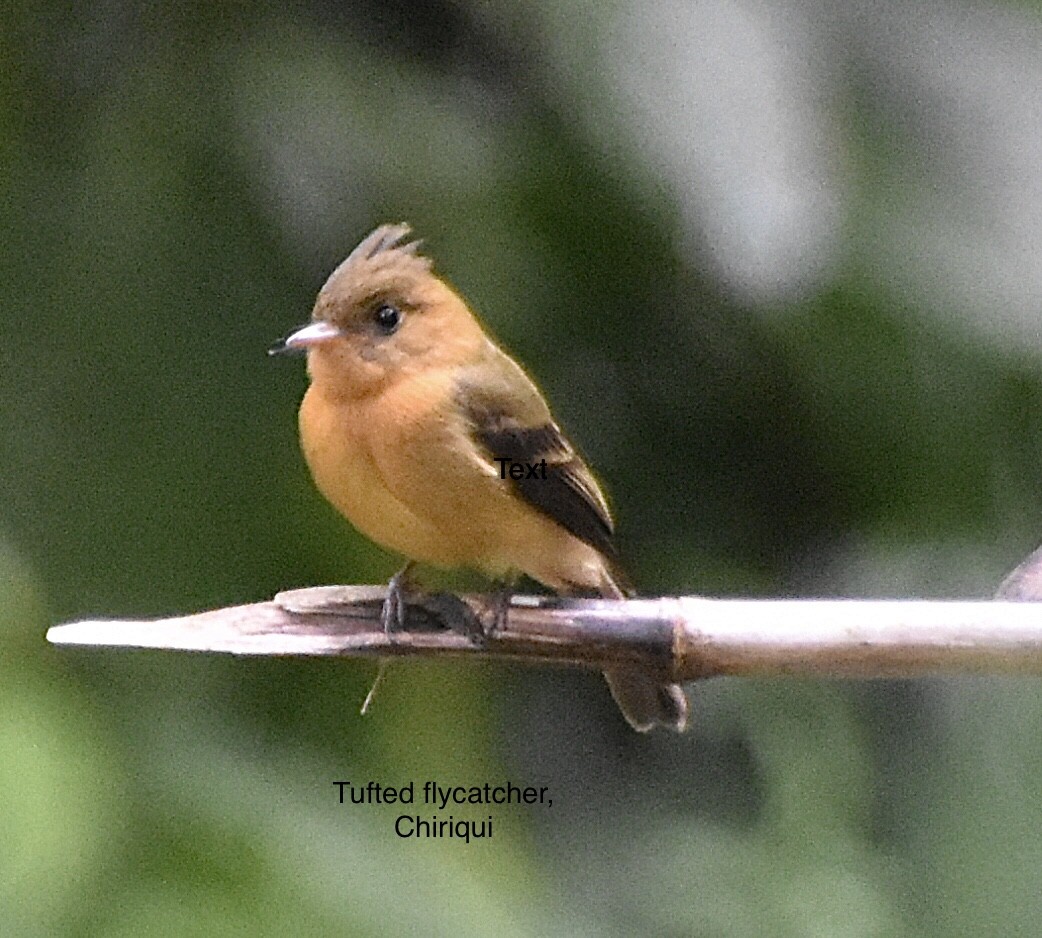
381, 311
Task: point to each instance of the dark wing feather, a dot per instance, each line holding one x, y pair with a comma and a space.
512, 422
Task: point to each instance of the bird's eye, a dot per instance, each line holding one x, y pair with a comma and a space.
387, 317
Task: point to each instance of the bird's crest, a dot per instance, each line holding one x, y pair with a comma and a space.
387, 247
383, 239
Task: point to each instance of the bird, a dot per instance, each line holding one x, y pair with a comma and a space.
435, 444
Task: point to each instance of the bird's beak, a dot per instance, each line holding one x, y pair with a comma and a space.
314, 333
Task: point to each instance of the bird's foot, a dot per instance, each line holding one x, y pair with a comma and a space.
457, 615
451, 611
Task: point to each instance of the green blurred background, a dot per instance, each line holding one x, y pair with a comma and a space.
776, 267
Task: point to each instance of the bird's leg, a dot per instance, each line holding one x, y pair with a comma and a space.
395, 608
500, 605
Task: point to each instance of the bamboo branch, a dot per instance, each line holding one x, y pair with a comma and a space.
678, 638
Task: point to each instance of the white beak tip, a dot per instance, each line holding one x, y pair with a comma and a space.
314, 333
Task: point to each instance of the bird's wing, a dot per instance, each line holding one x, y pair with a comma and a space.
508, 419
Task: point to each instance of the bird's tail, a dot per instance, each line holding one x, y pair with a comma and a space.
644, 702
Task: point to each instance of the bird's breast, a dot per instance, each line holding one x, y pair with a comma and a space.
390, 464
403, 468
